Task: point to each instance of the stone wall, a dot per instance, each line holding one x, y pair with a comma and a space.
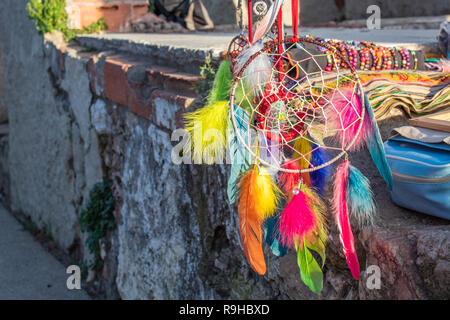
78, 115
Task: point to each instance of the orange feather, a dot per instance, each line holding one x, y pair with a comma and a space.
250, 224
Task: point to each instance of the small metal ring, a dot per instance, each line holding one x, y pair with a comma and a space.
260, 8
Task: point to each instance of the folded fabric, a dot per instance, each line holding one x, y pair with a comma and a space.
418, 92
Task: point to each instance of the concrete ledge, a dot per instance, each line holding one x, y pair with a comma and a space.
187, 52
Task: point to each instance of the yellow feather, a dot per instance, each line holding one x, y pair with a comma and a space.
207, 127
303, 147
320, 210
266, 193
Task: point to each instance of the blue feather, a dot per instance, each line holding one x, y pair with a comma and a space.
320, 177
240, 157
376, 147
360, 197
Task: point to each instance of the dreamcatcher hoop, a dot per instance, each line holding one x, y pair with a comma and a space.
358, 86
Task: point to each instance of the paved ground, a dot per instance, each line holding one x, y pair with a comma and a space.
27, 271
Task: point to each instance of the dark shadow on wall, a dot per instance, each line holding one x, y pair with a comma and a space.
222, 11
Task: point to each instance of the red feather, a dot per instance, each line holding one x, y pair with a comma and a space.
288, 181
342, 218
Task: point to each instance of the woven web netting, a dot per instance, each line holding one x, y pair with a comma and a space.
306, 96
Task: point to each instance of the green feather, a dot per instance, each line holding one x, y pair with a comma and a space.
319, 247
222, 83
310, 271
242, 97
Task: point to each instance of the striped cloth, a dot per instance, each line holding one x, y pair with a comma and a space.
417, 92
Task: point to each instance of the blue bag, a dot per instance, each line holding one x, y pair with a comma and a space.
421, 173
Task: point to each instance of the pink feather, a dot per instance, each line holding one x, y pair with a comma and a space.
297, 220
342, 219
345, 110
288, 181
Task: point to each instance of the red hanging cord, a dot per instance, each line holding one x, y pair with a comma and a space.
295, 21
250, 22
280, 44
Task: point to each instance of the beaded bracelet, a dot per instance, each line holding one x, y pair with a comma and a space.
367, 56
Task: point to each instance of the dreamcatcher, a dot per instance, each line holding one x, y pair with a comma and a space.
288, 120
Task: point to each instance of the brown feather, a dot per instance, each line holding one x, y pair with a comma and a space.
250, 224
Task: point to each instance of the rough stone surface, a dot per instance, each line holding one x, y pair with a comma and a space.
48, 99
4, 169
3, 109
159, 233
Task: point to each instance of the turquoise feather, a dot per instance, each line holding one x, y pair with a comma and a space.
376, 147
360, 197
271, 232
240, 157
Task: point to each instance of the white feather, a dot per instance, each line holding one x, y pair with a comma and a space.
258, 73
